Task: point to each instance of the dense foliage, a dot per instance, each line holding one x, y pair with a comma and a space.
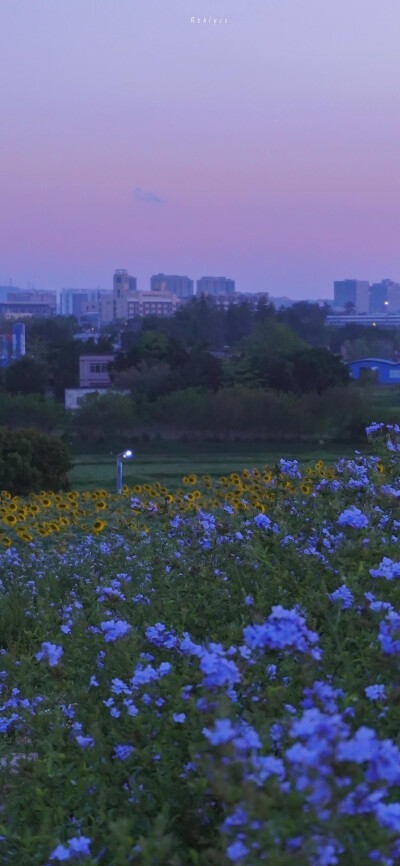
206, 678
31, 461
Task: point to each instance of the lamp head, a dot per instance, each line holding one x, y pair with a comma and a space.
127, 453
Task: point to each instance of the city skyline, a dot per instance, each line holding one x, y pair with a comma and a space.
263, 148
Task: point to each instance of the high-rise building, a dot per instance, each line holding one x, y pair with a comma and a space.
384, 297
378, 297
352, 292
182, 287
393, 297
124, 286
215, 286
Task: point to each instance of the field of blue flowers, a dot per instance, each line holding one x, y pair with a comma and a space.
208, 687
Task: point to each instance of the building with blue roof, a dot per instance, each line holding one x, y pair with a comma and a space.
386, 372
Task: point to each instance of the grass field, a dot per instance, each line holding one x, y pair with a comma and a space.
168, 462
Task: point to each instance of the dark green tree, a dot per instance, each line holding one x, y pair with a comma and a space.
26, 376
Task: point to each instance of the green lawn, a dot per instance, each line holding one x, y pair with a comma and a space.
169, 462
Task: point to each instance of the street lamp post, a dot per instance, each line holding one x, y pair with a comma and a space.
123, 455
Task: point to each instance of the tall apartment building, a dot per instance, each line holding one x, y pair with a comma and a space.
378, 297
182, 287
354, 292
215, 286
384, 297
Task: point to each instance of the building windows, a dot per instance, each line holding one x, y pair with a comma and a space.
98, 368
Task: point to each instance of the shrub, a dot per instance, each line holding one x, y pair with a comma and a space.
31, 461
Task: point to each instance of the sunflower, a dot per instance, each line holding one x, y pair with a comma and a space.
46, 502
33, 509
305, 488
5, 494
169, 497
267, 477
5, 541
380, 467
13, 506
25, 536
10, 519
99, 525
42, 531
100, 505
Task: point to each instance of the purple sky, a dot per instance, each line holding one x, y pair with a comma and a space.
265, 149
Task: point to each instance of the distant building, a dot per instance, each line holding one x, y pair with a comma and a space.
93, 371
128, 302
384, 297
106, 307
393, 297
251, 298
151, 303
124, 286
95, 306
182, 287
72, 301
223, 302
5, 291
22, 296
26, 310
385, 372
215, 286
378, 320
354, 292
73, 396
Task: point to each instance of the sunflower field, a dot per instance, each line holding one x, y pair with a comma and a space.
209, 676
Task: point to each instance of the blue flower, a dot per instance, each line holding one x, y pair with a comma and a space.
179, 718
122, 752
262, 521
376, 692
222, 733
236, 851
114, 629
75, 848
51, 652
344, 595
387, 569
353, 517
